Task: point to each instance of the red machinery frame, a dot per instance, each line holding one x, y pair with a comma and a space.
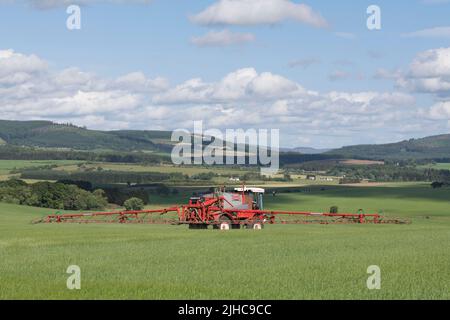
200, 213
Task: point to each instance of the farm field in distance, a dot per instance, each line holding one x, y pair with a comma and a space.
438, 166
189, 170
223, 174
8, 165
281, 261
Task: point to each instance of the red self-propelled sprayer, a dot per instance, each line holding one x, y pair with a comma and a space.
221, 210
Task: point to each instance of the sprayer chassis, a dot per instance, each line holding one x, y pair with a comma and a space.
216, 212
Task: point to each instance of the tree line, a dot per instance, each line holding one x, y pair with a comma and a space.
388, 173
51, 195
9, 152
104, 177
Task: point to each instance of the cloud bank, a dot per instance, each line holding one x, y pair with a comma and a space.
30, 89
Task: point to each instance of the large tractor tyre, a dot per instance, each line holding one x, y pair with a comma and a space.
225, 223
255, 225
258, 226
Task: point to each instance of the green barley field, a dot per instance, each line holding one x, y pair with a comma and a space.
279, 262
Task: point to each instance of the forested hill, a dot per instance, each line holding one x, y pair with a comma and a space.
47, 134
435, 147
52, 135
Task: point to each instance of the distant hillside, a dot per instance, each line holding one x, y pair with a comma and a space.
51, 135
161, 140
435, 147
305, 150
47, 134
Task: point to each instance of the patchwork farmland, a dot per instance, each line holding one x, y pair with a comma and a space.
282, 261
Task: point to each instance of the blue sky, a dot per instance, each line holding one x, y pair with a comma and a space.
336, 84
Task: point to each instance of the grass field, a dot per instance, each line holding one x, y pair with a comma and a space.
280, 262
189, 170
7, 165
396, 199
437, 166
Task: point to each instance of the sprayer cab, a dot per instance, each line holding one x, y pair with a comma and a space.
257, 194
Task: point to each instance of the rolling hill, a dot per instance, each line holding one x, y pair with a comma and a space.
47, 134
434, 147
305, 150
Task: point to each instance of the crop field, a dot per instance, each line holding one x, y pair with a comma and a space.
391, 199
154, 168
6, 166
437, 166
279, 262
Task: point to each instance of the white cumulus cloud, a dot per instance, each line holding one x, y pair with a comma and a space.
17, 67
242, 84
242, 98
30, 89
429, 73
253, 12
440, 111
